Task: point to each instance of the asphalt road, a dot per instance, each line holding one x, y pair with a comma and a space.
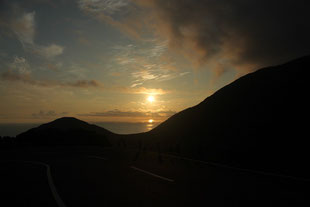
107, 177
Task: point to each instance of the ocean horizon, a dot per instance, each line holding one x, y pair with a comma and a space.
115, 127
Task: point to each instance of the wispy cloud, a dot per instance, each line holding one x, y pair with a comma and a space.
23, 26
146, 62
158, 49
152, 49
115, 13
107, 6
154, 72
49, 51
20, 65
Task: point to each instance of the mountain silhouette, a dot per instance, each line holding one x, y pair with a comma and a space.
257, 121
66, 131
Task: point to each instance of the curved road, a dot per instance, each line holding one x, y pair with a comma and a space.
111, 178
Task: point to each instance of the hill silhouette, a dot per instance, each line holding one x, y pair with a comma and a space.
66, 131
257, 121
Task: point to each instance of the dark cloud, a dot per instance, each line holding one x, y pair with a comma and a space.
118, 113
84, 83
27, 79
257, 32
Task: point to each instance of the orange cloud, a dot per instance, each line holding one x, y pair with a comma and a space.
142, 90
119, 113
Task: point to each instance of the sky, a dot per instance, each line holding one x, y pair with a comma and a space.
102, 60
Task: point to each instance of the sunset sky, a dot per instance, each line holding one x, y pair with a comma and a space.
136, 60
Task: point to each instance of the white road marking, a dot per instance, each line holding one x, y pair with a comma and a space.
152, 174
57, 198
240, 169
96, 157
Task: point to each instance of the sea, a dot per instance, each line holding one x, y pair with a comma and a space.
116, 127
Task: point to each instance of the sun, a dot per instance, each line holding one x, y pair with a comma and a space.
151, 99
151, 121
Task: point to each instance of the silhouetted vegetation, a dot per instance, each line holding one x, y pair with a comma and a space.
7, 142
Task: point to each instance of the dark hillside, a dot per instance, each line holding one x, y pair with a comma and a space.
258, 121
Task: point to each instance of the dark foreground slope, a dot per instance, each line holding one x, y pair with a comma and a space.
258, 121
66, 131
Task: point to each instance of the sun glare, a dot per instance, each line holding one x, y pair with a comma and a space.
151, 99
151, 120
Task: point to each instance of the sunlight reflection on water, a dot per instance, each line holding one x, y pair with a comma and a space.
149, 126
128, 128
